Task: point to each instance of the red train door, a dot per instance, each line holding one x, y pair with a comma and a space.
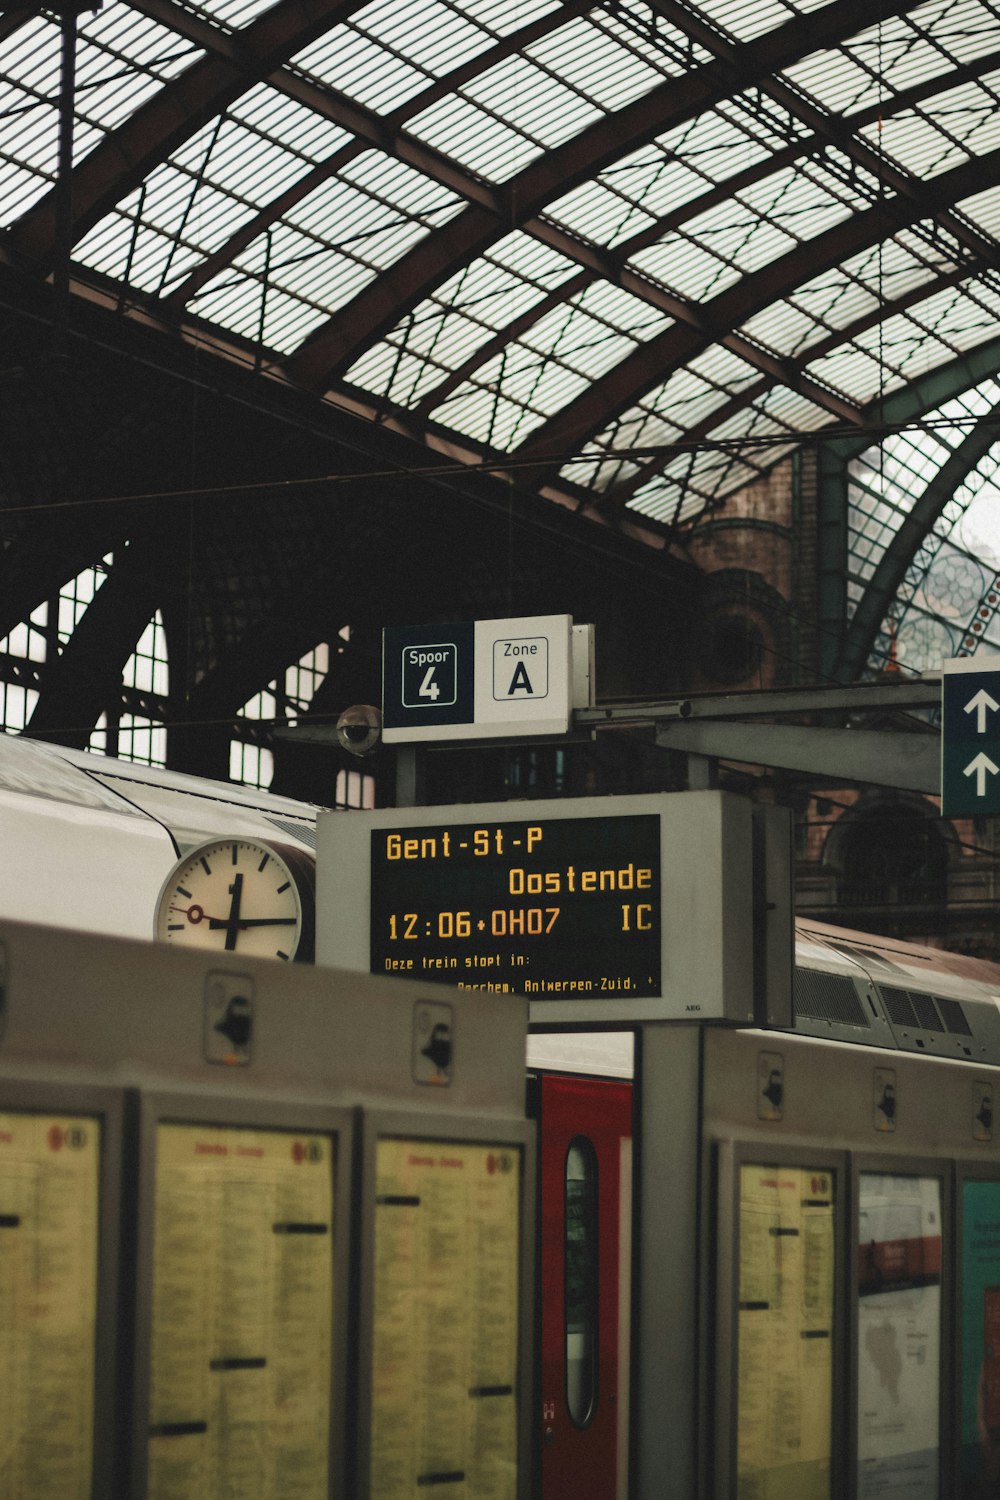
585, 1222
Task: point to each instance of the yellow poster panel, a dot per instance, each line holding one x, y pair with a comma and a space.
785, 1333
49, 1186
447, 1276
240, 1372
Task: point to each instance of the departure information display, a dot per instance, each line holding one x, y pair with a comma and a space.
553, 908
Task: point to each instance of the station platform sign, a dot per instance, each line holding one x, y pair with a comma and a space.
477, 679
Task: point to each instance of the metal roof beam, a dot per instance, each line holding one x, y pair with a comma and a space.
620, 494
908, 539
178, 111
651, 364
331, 349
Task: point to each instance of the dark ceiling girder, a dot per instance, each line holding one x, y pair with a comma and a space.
384, 132
370, 129
903, 548
49, 553
87, 676
906, 406
618, 495
652, 364
611, 265
330, 350
127, 155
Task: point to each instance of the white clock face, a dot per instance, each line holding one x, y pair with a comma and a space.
240, 896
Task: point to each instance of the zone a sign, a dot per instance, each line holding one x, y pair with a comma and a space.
477, 679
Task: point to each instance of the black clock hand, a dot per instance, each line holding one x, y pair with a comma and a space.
243, 922
233, 924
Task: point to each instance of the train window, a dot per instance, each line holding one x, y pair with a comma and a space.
581, 1281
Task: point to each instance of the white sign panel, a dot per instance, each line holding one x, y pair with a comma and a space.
477, 679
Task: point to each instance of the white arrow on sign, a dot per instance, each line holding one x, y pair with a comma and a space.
982, 766
981, 704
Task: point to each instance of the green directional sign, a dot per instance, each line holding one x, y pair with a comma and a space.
970, 736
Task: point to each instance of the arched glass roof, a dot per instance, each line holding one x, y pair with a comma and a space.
634, 252
947, 602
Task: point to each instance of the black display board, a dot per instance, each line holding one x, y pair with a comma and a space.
553, 908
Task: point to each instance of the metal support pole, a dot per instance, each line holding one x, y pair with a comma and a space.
64, 187
410, 776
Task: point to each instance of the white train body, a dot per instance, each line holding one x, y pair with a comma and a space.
89, 841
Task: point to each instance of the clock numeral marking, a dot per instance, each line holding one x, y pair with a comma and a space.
206, 866
284, 887
279, 954
175, 927
182, 892
263, 863
235, 853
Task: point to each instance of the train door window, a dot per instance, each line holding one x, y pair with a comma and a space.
585, 1221
899, 1312
581, 1246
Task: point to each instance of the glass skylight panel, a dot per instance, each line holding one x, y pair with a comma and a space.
588, 346
900, 55
851, 371
658, 500
151, 254
249, 164
503, 16
532, 101
717, 144
599, 474
481, 143
645, 190
685, 398
685, 267
723, 368
715, 473
984, 211
599, 214
747, 19
789, 410
916, 144
784, 328
967, 112
138, 38
19, 189
233, 303
741, 237
966, 320
621, 309
397, 185
299, 130
590, 60
905, 348
527, 376
964, 30
397, 375
31, 56
488, 417
362, 69
836, 80
432, 37
288, 321
803, 198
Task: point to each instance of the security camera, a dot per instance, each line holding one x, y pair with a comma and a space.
359, 728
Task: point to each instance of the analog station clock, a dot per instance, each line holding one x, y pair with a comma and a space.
242, 895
